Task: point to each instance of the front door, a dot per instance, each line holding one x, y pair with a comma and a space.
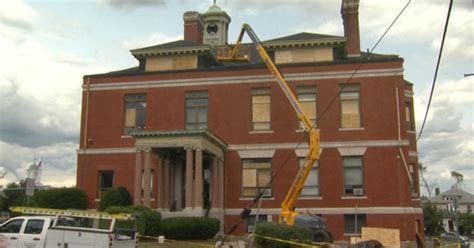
206, 194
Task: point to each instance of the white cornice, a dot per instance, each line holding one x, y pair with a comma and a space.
269, 147
244, 79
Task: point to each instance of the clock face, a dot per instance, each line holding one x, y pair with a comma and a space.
212, 28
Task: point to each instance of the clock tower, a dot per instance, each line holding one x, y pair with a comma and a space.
216, 26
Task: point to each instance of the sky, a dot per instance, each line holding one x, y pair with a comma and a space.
46, 47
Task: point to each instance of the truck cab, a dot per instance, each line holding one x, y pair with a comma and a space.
25, 231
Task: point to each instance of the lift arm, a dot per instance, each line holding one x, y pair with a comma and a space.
287, 214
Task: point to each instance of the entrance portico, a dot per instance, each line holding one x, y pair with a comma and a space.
189, 172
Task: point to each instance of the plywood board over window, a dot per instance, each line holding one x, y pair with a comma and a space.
350, 106
302, 55
261, 117
166, 63
256, 176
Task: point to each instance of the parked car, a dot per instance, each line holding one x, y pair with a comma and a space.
454, 237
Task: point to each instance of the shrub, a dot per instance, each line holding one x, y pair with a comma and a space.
183, 228
281, 231
115, 197
148, 222
62, 198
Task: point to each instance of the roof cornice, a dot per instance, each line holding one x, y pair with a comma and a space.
305, 43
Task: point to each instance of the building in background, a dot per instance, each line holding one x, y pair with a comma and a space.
451, 202
189, 135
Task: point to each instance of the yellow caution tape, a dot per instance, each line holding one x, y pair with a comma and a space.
287, 241
70, 212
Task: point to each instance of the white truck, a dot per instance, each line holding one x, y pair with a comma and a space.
68, 229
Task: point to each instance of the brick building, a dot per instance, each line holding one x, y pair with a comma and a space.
189, 135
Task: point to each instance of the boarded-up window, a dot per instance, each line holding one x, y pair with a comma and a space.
196, 110
353, 175
261, 109
256, 176
311, 185
135, 112
350, 110
409, 116
308, 100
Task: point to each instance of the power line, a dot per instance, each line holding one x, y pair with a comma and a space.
246, 211
436, 70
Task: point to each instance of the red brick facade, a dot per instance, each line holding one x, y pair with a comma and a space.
386, 146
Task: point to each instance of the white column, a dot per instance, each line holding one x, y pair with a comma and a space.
189, 179
146, 178
198, 181
137, 193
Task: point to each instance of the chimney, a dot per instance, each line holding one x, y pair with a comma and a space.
350, 18
193, 26
436, 191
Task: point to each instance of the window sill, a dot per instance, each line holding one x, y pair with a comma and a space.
351, 234
97, 200
411, 131
251, 198
352, 129
415, 199
261, 132
126, 136
302, 130
310, 198
351, 197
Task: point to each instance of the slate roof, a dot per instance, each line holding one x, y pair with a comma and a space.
305, 36
464, 197
305, 39
174, 47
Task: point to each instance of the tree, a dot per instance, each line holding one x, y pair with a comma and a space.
466, 223
432, 218
62, 198
115, 197
429, 186
14, 196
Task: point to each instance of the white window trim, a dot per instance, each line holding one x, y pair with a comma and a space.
246, 154
260, 131
351, 129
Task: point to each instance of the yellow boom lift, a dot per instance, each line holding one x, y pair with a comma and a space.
288, 215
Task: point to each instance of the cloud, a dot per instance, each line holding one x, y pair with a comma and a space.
16, 14
17, 20
57, 160
27, 123
446, 143
127, 4
305, 7
150, 40
69, 58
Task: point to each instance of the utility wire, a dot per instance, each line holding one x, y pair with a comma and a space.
436, 70
246, 211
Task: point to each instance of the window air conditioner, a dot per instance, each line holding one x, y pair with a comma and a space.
267, 192
357, 191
